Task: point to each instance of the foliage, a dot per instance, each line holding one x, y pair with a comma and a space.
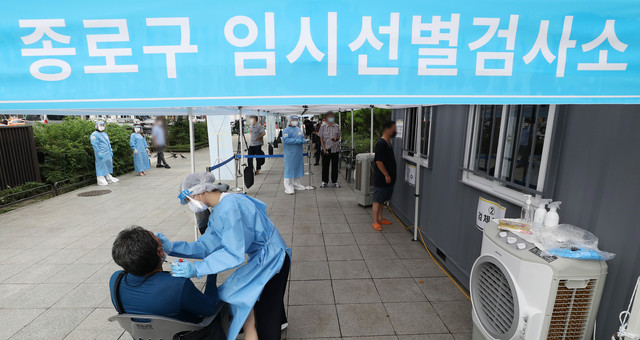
179, 132
65, 149
23, 191
362, 122
360, 141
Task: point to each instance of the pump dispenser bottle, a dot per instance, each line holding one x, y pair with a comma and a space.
541, 211
551, 219
526, 214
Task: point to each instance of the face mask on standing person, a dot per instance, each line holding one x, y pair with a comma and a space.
331, 119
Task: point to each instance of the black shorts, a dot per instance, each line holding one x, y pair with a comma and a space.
382, 194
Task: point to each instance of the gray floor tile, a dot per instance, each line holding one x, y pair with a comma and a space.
370, 238
36, 273
355, 291
348, 270
446, 336
335, 253
85, 295
414, 318
364, 320
410, 251
335, 228
11, 291
455, 314
399, 238
387, 268
339, 240
75, 273
53, 324
362, 228
378, 252
318, 321
316, 253
440, 289
104, 334
310, 293
309, 271
399, 290
14, 320
43, 295
308, 240
359, 218
379, 337
424, 267
462, 336
307, 228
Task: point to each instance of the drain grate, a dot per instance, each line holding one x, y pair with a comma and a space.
94, 193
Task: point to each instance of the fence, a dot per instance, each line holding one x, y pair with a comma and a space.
18, 157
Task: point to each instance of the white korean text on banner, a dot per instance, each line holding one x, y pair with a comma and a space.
79, 54
487, 211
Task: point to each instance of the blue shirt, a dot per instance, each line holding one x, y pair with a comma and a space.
158, 135
164, 295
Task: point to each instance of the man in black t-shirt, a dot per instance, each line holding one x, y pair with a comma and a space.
384, 173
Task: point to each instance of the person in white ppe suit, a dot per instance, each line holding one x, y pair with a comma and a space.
292, 139
104, 155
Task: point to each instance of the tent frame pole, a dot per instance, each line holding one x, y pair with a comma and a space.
371, 131
242, 145
193, 164
418, 157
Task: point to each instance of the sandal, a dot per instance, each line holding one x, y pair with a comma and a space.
376, 226
386, 222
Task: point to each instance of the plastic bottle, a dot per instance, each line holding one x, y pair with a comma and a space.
541, 211
526, 214
552, 218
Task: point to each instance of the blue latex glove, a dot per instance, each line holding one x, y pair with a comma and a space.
183, 269
100, 156
167, 245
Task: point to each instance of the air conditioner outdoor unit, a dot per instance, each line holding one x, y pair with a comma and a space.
518, 293
364, 179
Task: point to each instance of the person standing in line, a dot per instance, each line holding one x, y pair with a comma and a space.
159, 141
255, 146
384, 173
316, 137
292, 140
330, 140
140, 150
104, 155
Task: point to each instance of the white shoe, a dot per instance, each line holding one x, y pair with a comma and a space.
111, 179
102, 180
289, 192
297, 185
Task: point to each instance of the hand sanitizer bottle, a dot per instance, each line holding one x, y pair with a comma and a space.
552, 218
538, 216
526, 214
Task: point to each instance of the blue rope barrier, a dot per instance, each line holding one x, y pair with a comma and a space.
221, 164
211, 168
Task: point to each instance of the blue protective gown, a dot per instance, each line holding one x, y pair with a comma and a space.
238, 225
141, 160
292, 138
103, 152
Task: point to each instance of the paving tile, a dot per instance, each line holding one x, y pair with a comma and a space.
362, 228
359, 218
310, 293
445, 336
85, 295
335, 228
364, 320
355, 291
53, 324
399, 238
410, 251
370, 238
414, 318
308, 240
380, 337
305, 254
307, 228
74, 273
462, 336
399, 290
387, 268
11, 291
9, 270
318, 321
339, 240
424, 267
43, 295
378, 252
309, 271
104, 334
440, 289
36, 273
455, 314
348, 270
13, 320
344, 253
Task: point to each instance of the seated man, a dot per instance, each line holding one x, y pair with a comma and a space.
146, 289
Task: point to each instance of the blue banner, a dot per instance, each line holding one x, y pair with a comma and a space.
86, 54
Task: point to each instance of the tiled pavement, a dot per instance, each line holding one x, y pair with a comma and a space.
347, 280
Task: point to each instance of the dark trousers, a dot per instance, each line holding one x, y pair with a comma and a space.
330, 157
269, 310
161, 160
318, 150
256, 150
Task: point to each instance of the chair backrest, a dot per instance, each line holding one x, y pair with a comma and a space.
151, 327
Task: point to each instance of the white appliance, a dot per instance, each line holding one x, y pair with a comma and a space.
517, 293
364, 179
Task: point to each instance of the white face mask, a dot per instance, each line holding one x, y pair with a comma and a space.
137, 130
294, 123
331, 119
101, 128
196, 206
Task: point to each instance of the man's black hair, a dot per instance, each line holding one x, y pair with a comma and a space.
136, 251
388, 124
329, 113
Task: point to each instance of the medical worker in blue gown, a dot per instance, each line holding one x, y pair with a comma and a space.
237, 225
140, 151
104, 155
292, 139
